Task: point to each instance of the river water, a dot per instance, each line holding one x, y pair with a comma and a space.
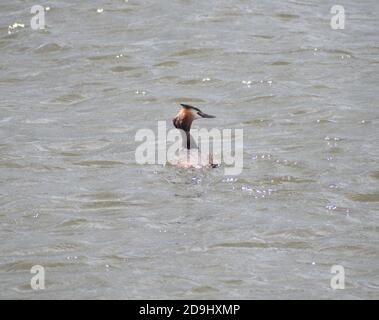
74, 200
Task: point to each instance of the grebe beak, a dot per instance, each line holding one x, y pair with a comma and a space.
204, 115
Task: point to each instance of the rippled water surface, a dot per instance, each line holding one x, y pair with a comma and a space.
73, 199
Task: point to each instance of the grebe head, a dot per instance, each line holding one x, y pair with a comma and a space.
183, 120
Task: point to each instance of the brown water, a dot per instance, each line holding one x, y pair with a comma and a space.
73, 199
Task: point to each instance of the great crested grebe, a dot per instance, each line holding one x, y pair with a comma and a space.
183, 120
